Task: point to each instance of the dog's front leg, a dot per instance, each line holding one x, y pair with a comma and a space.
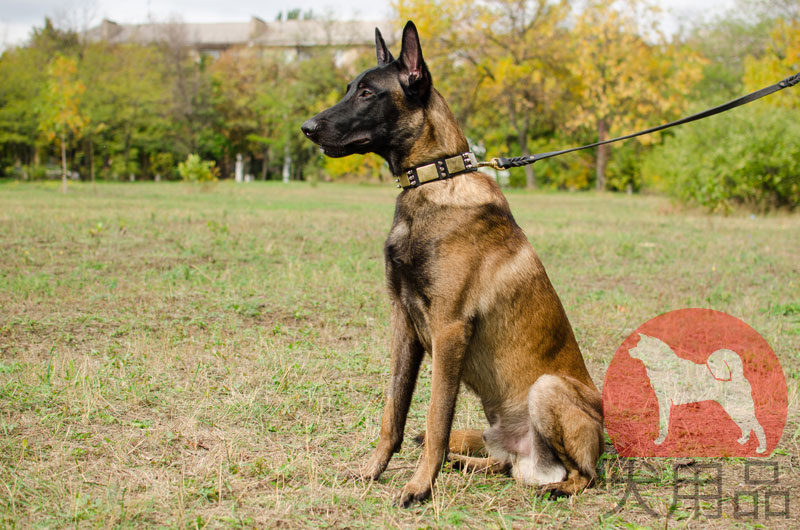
449, 346
407, 353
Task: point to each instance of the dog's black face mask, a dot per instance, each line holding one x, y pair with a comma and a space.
367, 119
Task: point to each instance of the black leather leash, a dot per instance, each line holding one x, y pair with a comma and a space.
518, 161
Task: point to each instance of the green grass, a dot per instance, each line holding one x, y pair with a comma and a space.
172, 356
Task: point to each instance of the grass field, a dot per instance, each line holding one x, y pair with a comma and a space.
178, 357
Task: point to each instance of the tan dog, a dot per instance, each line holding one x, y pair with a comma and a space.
465, 286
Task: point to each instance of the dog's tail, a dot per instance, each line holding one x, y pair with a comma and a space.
725, 365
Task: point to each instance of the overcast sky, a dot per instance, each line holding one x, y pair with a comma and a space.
17, 17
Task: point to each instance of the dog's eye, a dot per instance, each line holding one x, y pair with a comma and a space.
365, 93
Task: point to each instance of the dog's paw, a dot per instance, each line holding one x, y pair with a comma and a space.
359, 474
550, 491
411, 494
372, 470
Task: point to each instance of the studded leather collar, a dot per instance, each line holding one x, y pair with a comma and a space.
440, 169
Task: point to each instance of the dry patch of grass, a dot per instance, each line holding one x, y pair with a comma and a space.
171, 357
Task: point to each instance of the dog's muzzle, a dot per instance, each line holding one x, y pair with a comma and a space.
309, 128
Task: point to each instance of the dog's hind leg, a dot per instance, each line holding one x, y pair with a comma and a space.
467, 442
471, 464
567, 435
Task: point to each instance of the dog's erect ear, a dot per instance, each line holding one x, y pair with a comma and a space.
414, 74
383, 53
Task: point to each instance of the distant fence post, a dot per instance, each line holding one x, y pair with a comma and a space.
287, 163
239, 170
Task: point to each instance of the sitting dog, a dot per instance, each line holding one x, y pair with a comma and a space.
465, 286
679, 381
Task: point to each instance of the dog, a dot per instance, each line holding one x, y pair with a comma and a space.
679, 381
466, 287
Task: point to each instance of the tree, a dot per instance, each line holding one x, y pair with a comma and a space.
780, 60
127, 101
749, 157
726, 42
237, 79
59, 112
502, 63
624, 80
194, 126
524, 59
23, 71
19, 90
290, 91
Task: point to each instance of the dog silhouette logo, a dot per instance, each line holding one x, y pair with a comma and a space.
696, 383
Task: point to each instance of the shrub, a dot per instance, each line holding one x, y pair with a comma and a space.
196, 170
365, 166
748, 157
163, 165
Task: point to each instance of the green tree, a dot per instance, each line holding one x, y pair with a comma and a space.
290, 91
127, 101
18, 96
502, 64
725, 42
193, 124
237, 79
23, 71
59, 110
624, 80
748, 157
780, 59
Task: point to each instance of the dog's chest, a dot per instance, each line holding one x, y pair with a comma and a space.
408, 272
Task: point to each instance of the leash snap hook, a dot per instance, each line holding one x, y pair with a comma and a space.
494, 163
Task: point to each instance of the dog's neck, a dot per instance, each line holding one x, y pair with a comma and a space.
438, 136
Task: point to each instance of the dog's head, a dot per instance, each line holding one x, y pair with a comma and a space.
382, 106
650, 349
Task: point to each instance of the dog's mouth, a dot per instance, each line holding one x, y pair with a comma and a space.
337, 151
333, 151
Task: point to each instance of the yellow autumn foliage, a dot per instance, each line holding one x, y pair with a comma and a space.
781, 60
364, 166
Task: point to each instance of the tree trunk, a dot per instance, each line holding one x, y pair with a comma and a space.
530, 177
127, 152
265, 165
91, 158
63, 163
602, 155
287, 163
522, 138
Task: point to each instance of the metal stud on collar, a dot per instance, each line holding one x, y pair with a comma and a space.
439, 169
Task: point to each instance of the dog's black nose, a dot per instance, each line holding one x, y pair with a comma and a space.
309, 127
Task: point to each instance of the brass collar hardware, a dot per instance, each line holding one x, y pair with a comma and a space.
439, 169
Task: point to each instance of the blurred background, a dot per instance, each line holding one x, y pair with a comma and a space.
200, 91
